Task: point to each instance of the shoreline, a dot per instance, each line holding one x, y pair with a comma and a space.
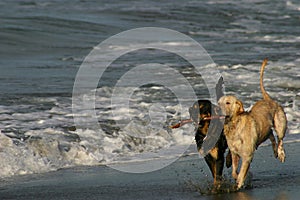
187, 178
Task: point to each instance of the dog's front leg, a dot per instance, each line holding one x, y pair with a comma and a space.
235, 165
243, 172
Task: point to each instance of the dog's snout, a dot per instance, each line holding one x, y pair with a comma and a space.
221, 110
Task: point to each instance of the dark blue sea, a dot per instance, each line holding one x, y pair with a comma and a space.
44, 44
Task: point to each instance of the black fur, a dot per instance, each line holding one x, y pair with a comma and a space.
210, 131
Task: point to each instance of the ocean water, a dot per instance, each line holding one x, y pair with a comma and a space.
44, 44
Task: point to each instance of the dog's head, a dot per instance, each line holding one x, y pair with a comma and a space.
200, 110
230, 106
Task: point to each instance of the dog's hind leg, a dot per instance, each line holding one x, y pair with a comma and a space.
219, 167
280, 125
274, 144
228, 159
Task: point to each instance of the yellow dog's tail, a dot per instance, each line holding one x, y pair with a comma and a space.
262, 88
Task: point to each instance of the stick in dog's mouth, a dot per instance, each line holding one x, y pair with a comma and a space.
181, 123
187, 121
214, 117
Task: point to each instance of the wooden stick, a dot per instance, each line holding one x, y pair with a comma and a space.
214, 117
181, 123
187, 121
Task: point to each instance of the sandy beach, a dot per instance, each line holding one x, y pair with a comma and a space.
187, 178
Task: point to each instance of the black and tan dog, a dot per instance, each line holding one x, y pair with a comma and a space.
209, 135
211, 132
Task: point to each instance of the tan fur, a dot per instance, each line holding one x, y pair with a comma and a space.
214, 152
245, 131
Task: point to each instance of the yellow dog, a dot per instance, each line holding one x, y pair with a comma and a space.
245, 131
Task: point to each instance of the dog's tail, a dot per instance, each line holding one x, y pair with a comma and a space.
262, 88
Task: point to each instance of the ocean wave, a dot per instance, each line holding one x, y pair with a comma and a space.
35, 141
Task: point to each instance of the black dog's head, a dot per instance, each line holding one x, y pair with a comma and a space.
202, 109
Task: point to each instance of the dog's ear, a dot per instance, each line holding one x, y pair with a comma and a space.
219, 88
240, 107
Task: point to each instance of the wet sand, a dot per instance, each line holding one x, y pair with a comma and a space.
187, 178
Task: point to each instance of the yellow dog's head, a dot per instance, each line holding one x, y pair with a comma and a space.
230, 106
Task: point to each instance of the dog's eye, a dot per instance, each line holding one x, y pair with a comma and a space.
227, 103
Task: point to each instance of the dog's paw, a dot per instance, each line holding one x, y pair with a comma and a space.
281, 155
239, 183
238, 186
